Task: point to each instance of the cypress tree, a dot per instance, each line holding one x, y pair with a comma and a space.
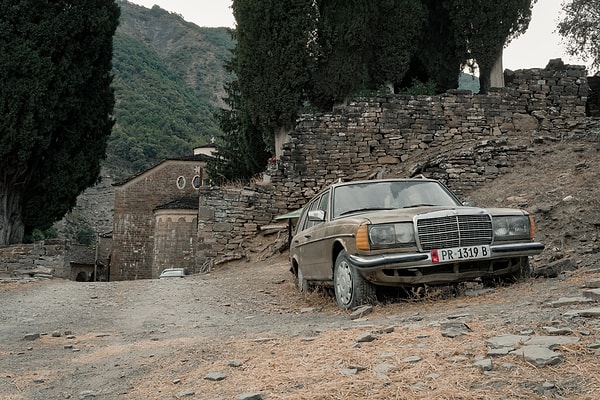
55, 107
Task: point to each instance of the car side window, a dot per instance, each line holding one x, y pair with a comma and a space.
304, 223
324, 203
313, 206
320, 203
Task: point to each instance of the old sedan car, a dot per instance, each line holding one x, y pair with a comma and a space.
356, 236
173, 273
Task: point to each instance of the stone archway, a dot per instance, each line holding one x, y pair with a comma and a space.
81, 277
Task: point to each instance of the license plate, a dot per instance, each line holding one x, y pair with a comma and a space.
460, 253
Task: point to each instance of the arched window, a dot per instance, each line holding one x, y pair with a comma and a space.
181, 182
197, 182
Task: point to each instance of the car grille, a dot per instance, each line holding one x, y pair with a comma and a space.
454, 231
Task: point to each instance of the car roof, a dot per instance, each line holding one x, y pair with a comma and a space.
342, 183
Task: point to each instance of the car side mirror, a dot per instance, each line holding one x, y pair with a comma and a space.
468, 203
316, 215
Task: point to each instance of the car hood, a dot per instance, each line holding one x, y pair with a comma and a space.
407, 214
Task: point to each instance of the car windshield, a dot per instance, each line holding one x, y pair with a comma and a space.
389, 195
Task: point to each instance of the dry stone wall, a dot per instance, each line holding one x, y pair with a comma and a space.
460, 138
41, 259
228, 217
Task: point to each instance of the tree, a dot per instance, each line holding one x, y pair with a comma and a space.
580, 28
352, 47
241, 152
341, 57
399, 24
435, 57
55, 107
271, 59
482, 28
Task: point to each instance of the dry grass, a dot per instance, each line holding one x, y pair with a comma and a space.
312, 368
315, 367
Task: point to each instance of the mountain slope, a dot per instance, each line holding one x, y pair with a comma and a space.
168, 78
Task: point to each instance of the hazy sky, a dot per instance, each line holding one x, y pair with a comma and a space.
532, 50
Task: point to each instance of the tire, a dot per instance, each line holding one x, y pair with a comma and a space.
522, 274
301, 283
351, 289
525, 271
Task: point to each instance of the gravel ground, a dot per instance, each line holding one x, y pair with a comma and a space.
248, 326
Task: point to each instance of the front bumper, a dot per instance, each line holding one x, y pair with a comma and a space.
411, 260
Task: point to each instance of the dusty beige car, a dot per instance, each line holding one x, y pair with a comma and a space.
356, 236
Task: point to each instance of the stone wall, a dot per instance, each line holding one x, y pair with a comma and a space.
229, 217
42, 258
458, 137
463, 139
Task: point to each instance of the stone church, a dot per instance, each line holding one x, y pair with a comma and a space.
155, 219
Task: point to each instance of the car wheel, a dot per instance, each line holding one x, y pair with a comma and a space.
525, 272
351, 289
301, 283
522, 274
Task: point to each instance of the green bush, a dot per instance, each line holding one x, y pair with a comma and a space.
86, 236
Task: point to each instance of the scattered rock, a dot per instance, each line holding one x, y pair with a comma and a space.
384, 368
235, 363
555, 268
593, 294
349, 371
550, 330
454, 329
361, 311
539, 356
593, 284
484, 365
366, 337
570, 301
590, 312
215, 376
249, 396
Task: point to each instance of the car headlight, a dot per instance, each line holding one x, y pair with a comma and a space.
512, 227
384, 236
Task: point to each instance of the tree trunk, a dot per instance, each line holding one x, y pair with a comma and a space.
484, 79
282, 136
491, 75
12, 228
497, 73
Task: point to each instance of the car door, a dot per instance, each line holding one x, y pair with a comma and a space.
309, 239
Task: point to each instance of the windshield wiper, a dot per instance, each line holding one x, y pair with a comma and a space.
420, 205
366, 209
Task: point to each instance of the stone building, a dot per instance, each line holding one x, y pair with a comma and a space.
154, 222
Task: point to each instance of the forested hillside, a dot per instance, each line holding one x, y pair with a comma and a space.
168, 79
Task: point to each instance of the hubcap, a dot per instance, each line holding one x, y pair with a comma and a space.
343, 282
